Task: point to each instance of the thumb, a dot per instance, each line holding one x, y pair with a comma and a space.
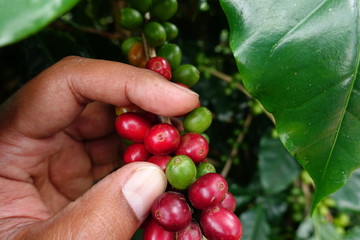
112, 209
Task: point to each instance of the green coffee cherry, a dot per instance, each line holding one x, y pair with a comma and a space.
155, 33
141, 5
186, 74
180, 172
126, 45
130, 19
198, 120
172, 53
204, 168
163, 9
171, 30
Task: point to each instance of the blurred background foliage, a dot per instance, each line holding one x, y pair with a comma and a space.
273, 193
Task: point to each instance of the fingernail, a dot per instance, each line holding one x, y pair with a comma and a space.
187, 90
142, 188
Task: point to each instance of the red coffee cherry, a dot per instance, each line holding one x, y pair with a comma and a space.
229, 202
171, 211
191, 232
159, 65
162, 139
219, 223
160, 160
132, 126
194, 146
208, 191
154, 231
136, 152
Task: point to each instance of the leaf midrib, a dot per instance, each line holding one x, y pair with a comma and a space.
343, 113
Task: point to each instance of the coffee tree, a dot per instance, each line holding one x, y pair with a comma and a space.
279, 79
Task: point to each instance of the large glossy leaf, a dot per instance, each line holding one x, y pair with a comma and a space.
19, 18
301, 59
255, 225
277, 168
348, 197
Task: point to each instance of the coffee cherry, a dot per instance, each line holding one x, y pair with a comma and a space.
198, 120
160, 160
191, 232
180, 172
141, 5
130, 108
160, 65
229, 202
132, 126
163, 9
155, 33
194, 146
171, 211
154, 231
186, 74
162, 139
130, 19
205, 136
204, 168
171, 53
136, 55
171, 30
219, 223
208, 191
127, 44
136, 152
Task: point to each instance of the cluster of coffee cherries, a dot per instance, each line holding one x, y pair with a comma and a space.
197, 203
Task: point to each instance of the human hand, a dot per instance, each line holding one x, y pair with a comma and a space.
57, 138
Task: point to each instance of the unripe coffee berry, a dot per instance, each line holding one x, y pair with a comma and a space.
198, 120
180, 172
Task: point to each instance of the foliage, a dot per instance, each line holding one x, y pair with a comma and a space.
273, 194
299, 61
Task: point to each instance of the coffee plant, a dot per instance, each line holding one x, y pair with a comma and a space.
277, 125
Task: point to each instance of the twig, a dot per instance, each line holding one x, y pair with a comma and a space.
239, 86
235, 149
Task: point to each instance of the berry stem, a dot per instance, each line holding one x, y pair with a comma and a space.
239, 86
235, 149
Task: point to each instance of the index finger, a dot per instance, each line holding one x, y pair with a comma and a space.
54, 99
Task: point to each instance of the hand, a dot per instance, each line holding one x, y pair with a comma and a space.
57, 138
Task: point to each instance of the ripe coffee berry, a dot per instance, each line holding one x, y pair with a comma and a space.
136, 152
229, 202
194, 146
219, 223
154, 231
160, 160
191, 232
160, 65
208, 191
171, 211
162, 139
132, 126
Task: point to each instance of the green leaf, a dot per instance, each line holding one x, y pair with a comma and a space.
19, 19
316, 228
277, 167
301, 60
255, 225
348, 197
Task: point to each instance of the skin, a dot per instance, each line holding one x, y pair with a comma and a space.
57, 138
